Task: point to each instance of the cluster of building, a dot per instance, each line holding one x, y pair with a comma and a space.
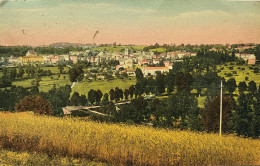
32, 57
249, 58
150, 62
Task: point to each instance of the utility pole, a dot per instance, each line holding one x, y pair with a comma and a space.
220, 114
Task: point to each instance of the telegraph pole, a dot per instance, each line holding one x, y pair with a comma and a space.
220, 114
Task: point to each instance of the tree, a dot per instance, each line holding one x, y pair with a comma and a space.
160, 85
135, 111
198, 83
37, 104
20, 73
75, 99
183, 81
170, 81
117, 94
105, 100
112, 94
184, 107
83, 100
60, 67
151, 86
210, 115
126, 93
131, 91
244, 119
139, 74
34, 90
231, 85
75, 72
13, 73
91, 96
58, 98
252, 87
99, 95
140, 86
242, 87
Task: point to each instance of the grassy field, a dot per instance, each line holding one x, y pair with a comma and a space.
8, 157
122, 144
241, 74
104, 86
47, 83
117, 48
160, 49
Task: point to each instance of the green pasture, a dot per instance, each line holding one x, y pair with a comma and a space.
55, 70
241, 74
117, 48
160, 49
46, 83
105, 86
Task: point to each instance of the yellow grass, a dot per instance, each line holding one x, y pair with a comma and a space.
121, 144
11, 158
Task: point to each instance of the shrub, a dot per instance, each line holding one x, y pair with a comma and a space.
231, 68
37, 104
229, 75
256, 70
246, 78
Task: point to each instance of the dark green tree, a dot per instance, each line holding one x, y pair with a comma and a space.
170, 81
126, 94
242, 87
183, 81
252, 87
231, 85
244, 118
75, 99
99, 95
160, 83
184, 107
139, 74
112, 94
83, 100
131, 91
91, 96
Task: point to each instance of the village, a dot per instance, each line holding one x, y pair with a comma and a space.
127, 61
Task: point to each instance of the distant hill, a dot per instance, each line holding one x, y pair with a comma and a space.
67, 44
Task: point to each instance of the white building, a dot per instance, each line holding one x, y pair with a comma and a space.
152, 70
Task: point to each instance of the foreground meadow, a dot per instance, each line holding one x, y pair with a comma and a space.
122, 145
11, 158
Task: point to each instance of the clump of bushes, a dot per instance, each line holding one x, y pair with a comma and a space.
229, 74
37, 104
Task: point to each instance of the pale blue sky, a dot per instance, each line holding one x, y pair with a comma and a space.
37, 22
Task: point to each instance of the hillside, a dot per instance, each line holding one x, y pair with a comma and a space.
122, 144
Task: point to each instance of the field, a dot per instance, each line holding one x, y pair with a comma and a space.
117, 48
104, 86
8, 157
121, 144
241, 74
47, 83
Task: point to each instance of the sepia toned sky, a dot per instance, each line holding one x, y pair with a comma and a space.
141, 22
